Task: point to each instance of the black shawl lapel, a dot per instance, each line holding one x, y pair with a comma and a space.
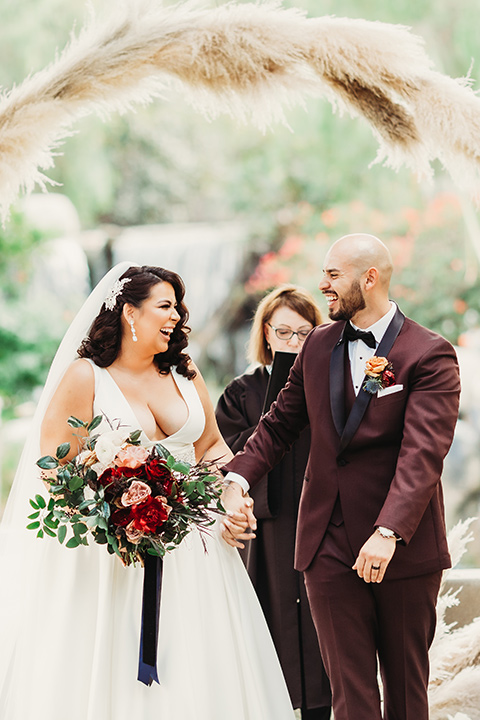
363, 398
337, 379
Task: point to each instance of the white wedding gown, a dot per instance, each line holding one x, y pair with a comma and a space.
76, 655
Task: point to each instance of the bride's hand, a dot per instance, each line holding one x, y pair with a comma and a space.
240, 521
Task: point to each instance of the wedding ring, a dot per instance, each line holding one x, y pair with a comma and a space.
375, 567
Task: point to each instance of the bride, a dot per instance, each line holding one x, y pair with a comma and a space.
70, 619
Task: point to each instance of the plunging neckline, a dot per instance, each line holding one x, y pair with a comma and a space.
167, 437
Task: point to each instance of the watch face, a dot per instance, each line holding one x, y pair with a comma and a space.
384, 532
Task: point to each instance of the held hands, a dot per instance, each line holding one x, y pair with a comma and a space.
235, 526
374, 557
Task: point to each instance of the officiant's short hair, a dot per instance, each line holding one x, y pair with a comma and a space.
292, 296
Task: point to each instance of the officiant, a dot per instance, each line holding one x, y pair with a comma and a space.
281, 324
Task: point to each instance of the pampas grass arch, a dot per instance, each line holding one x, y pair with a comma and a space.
250, 61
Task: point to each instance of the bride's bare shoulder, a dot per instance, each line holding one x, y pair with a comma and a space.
73, 396
78, 383
80, 369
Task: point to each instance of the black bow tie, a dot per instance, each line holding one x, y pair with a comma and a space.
351, 334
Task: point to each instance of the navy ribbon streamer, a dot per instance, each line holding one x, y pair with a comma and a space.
152, 587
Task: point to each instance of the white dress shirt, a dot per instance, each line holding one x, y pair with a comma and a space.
358, 353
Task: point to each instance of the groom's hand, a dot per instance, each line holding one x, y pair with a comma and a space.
374, 558
239, 521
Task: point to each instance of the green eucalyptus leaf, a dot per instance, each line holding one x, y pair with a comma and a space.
33, 504
49, 531
181, 468
34, 515
33, 525
102, 523
171, 461
94, 423
79, 529
135, 436
40, 501
63, 450
55, 489
85, 505
73, 543
75, 422
53, 524
62, 532
162, 451
40, 533
64, 475
91, 475
75, 483
47, 462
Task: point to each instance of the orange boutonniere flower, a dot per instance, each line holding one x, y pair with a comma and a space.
379, 374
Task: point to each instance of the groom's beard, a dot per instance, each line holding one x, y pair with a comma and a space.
350, 304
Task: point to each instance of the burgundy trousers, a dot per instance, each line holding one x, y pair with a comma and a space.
360, 623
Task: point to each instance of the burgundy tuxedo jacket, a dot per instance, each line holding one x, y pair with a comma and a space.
382, 456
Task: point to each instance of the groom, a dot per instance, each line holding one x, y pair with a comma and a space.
371, 533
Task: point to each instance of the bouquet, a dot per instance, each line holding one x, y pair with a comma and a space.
136, 500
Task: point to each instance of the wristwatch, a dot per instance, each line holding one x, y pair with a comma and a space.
386, 533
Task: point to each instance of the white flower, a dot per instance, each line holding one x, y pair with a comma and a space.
108, 445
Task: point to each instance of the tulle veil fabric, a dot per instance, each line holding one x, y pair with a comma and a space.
20, 551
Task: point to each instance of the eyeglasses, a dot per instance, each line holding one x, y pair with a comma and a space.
287, 334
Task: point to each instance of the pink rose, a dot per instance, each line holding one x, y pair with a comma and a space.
133, 535
132, 456
138, 492
164, 501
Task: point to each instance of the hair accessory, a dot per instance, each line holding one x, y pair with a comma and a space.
134, 334
116, 290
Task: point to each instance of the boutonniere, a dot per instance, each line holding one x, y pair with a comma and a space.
379, 372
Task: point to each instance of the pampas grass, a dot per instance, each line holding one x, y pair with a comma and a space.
454, 688
251, 61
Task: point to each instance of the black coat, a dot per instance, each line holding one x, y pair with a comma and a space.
269, 558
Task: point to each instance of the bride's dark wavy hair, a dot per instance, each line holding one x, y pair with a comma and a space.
103, 341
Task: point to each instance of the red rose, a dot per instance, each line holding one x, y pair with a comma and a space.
131, 472
388, 378
122, 517
149, 516
109, 476
159, 473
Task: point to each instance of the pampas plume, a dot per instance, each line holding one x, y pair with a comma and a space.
454, 688
251, 61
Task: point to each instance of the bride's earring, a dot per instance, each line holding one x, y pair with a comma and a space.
134, 334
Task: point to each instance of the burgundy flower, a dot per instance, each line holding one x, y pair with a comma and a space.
122, 517
109, 476
158, 472
129, 472
388, 378
149, 516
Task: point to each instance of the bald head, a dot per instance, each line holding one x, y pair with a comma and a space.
361, 252
357, 272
